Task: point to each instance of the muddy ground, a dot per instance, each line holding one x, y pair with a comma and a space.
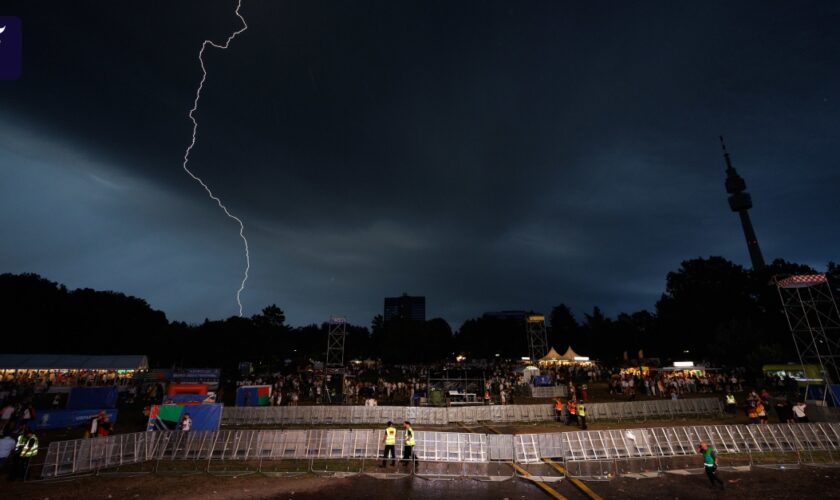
807, 482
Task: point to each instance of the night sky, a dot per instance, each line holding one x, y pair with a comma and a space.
487, 155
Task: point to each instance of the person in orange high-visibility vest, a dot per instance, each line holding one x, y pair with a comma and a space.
558, 409
572, 412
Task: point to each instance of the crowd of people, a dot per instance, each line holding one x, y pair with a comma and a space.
376, 384
676, 383
40, 381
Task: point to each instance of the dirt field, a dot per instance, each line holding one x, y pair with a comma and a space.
806, 482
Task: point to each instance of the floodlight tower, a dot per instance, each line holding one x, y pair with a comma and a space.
740, 201
537, 337
814, 321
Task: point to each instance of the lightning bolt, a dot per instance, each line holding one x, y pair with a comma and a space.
192, 144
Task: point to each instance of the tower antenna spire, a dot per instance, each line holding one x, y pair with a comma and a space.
726, 154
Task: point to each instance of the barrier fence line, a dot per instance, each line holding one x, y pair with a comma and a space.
328, 415
819, 442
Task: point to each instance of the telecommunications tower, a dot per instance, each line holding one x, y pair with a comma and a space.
740, 201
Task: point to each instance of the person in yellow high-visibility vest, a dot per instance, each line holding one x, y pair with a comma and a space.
408, 445
581, 413
26, 449
390, 441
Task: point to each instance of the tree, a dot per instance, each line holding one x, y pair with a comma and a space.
564, 327
272, 317
437, 342
634, 332
596, 331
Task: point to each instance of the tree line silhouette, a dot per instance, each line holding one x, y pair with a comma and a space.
711, 309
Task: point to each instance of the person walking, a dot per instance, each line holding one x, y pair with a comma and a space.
7, 446
581, 413
93, 426
710, 463
186, 423
408, 446
390, 441
6, 416
799, 412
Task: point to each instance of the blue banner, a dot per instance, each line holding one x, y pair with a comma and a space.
58, 419
817, 392
89, 398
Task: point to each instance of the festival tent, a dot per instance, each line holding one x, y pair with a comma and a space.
570, 355
552, 357
64, 370
72, 362
530, 372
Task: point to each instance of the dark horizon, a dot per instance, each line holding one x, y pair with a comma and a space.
488, 157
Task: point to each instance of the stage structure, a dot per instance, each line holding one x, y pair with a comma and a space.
814, 321
537, 336
455, 387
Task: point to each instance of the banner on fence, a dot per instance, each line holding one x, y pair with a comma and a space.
253, 395
58, 419
168, 417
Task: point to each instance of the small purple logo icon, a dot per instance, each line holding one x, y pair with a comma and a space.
11, 47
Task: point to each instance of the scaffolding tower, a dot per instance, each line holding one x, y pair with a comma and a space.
334, 367
335, 344
814, 322
537, 337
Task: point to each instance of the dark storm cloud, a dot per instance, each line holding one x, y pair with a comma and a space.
488, 155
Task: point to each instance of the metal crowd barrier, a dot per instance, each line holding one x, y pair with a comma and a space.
559, 391
91, 455
327, 415
312, 415
643, 410
585, 453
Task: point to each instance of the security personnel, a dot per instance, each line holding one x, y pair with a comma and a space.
730, 403
572, 411
390, 442
408, 445
558, 409
581, 413
26, 449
